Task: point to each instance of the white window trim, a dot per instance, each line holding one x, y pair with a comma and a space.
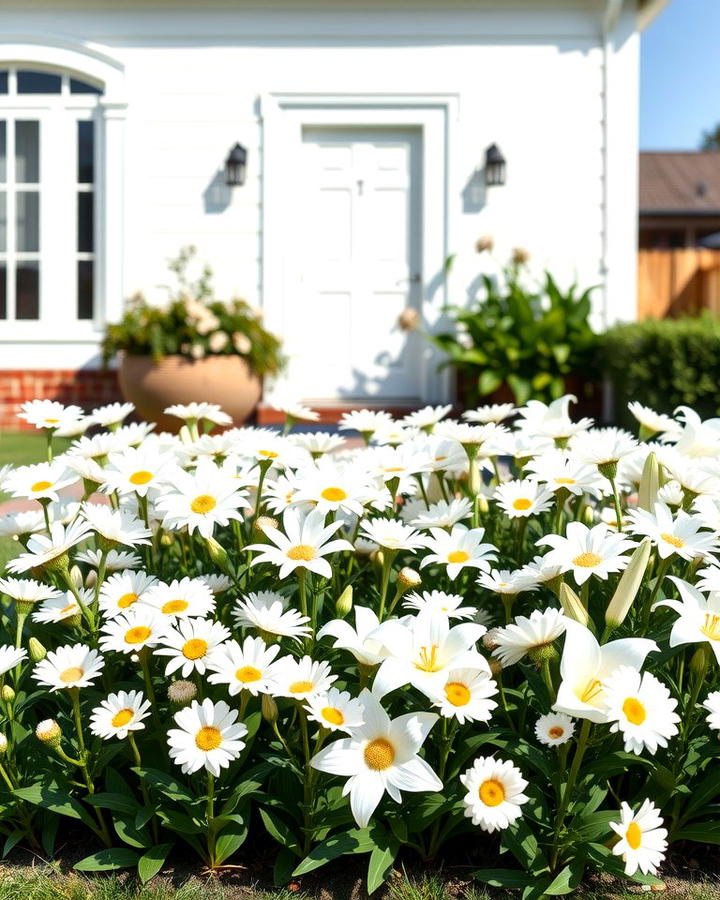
283, 117
22, 340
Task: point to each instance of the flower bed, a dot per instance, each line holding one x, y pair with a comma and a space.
497, 637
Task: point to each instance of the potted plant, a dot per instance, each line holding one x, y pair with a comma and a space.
515, 342
192, 348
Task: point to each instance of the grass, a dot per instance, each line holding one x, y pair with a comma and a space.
25, 447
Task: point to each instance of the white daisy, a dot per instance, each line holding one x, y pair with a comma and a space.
679, 535
49, 414
194, 412
301, 679
366, 421
392, 534
62, 607
523, 498
641, 708
190, 644
494, 793
559, 470
459, 549
184, 598
304, 544
119, 714
111, 414
466, 694
603, 447
493, 412
335, 711
70, 666
144, 471
333, 487
208, 736
268, 612
554, 729
27, 590
439, 602
115, 560
119, 526
652, 422
642, 843
244, 668
22, 523
318, 443
587, 551
507, 583
551, 420
44, 550
698, 617
442, 514
39, 482
10, 656
141, 627
217, 583
121, 590
527, 634
712, 705
380, 755
427, 417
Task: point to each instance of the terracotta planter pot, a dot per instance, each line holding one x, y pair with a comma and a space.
151, 386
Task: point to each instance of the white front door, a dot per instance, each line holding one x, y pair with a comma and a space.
356, 231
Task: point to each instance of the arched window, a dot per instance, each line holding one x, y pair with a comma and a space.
48, 151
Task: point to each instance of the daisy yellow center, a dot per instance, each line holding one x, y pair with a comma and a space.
300, 687
491, 792
334, 494
127, 600
141, 477
634, 835
203, 504
711, 628
195, 648
522, 503
634, 711
590, 691
208, 738
395, 469
301, 551
332, 715
268, 454
673, 540
565, 481
74, 673
66, 609
174, 606
247, 674
556, 732
587, 560
379, 755
41, 486
51, 421
457, 693
458, 556
137, 635
428, 660
122, 718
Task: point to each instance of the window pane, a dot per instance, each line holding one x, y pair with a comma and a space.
3, 222
27, 152
27, 221
3, 151
3, 82
29, 82
85, 221
3, 299
85, 289
82, 87
86, 152
27, 299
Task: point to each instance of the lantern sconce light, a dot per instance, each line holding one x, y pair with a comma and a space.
236, 166
495, 166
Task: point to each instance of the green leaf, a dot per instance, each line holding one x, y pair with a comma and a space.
120, 803
357, 840
523, 845
12, 839
56, 801
283, 867
231, 838
166, 784
131, 835
152, 861
108, 860
507, 878
567, 880
489, 381
278, 829
380, 864
701, 833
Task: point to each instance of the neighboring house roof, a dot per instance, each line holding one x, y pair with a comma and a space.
680, 183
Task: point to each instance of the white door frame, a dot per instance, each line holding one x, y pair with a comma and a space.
283, 118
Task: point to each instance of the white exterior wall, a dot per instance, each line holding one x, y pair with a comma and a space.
538, 78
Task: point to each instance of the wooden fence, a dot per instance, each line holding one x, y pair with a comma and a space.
678, 282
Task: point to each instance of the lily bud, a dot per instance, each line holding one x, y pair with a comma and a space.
268, 708
649, 483
36, 651
7, 694
217, 553
628, 586
474, 478
572, 605
76, 577
344, 602
700, 661
49, 732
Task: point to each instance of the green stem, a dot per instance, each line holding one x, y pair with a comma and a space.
308, 780
388, 557
616, 501
647, 609
570, 785
210, 820
75, 698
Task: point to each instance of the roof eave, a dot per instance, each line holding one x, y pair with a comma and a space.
715, 213
647, 10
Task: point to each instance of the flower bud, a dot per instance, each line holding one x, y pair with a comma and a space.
495, 667
588, 516
3, 745
217, 553
268, 708
59, 564
700, 661
49, 732
259, 526
608, 469
649, 483
76, 577
377, 558
7, 694
409, 578
572, 605
488, 639
542, 653
628, 586
36, 651
181, 693
474, 479
344, 602
167, 539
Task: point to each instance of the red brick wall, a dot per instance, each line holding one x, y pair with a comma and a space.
87, 388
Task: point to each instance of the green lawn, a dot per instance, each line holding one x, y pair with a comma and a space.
25, 447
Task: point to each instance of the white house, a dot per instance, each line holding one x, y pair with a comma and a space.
366, 124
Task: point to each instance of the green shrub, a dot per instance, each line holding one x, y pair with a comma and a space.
665, 362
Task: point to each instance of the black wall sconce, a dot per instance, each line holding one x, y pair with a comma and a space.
495, 166
236, 166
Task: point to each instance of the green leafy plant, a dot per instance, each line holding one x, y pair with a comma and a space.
527, 339
667, 362
194, 324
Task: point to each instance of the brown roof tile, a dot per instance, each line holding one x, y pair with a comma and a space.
680, 182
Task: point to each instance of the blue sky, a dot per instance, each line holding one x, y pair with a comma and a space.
680, 75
